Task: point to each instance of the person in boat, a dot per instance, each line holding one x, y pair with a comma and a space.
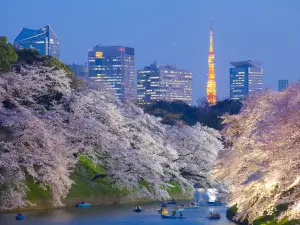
174, 213
19, 214
83, 202
180, 214
182, 205
137, 208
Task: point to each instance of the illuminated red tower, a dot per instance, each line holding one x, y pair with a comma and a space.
211, 88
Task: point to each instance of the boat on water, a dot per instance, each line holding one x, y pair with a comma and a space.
214, 215
138, 210
162, 211
172, 217
20, 217
83, 205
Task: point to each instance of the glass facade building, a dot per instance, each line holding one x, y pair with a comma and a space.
43, 40
245, 78
115, 66
163, 82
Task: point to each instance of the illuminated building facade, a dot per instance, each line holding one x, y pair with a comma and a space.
211, 88
114, 65
43, 40
284, 84
245, 78
163, 82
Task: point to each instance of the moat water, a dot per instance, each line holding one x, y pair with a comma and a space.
114, 215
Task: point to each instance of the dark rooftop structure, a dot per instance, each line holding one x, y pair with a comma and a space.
248, 63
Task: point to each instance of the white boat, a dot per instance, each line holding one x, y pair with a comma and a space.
214, 215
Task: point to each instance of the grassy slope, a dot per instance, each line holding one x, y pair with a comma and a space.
83, 188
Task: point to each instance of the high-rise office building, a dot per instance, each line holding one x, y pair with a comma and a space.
43, 40
284, 84
80, 70
245, 78
163, 82
114, 66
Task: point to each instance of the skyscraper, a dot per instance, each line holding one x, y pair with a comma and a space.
163, 82
245, 78
114, 65
43, 40
211, 88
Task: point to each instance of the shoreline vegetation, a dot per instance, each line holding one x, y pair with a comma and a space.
97, 192
273, 219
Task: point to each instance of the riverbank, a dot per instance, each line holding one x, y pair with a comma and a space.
94, 201
95, 192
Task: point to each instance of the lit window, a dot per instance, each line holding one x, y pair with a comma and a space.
99, 55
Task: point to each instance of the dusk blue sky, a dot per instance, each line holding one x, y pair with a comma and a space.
171, 32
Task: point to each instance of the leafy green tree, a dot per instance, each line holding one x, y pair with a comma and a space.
7, 55
172, 112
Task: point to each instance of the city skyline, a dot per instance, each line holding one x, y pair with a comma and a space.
264, 36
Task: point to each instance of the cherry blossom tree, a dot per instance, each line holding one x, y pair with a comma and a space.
262, 167
44, 123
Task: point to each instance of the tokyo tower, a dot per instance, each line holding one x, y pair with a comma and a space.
211, 92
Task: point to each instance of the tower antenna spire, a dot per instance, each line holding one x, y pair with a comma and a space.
211, 91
